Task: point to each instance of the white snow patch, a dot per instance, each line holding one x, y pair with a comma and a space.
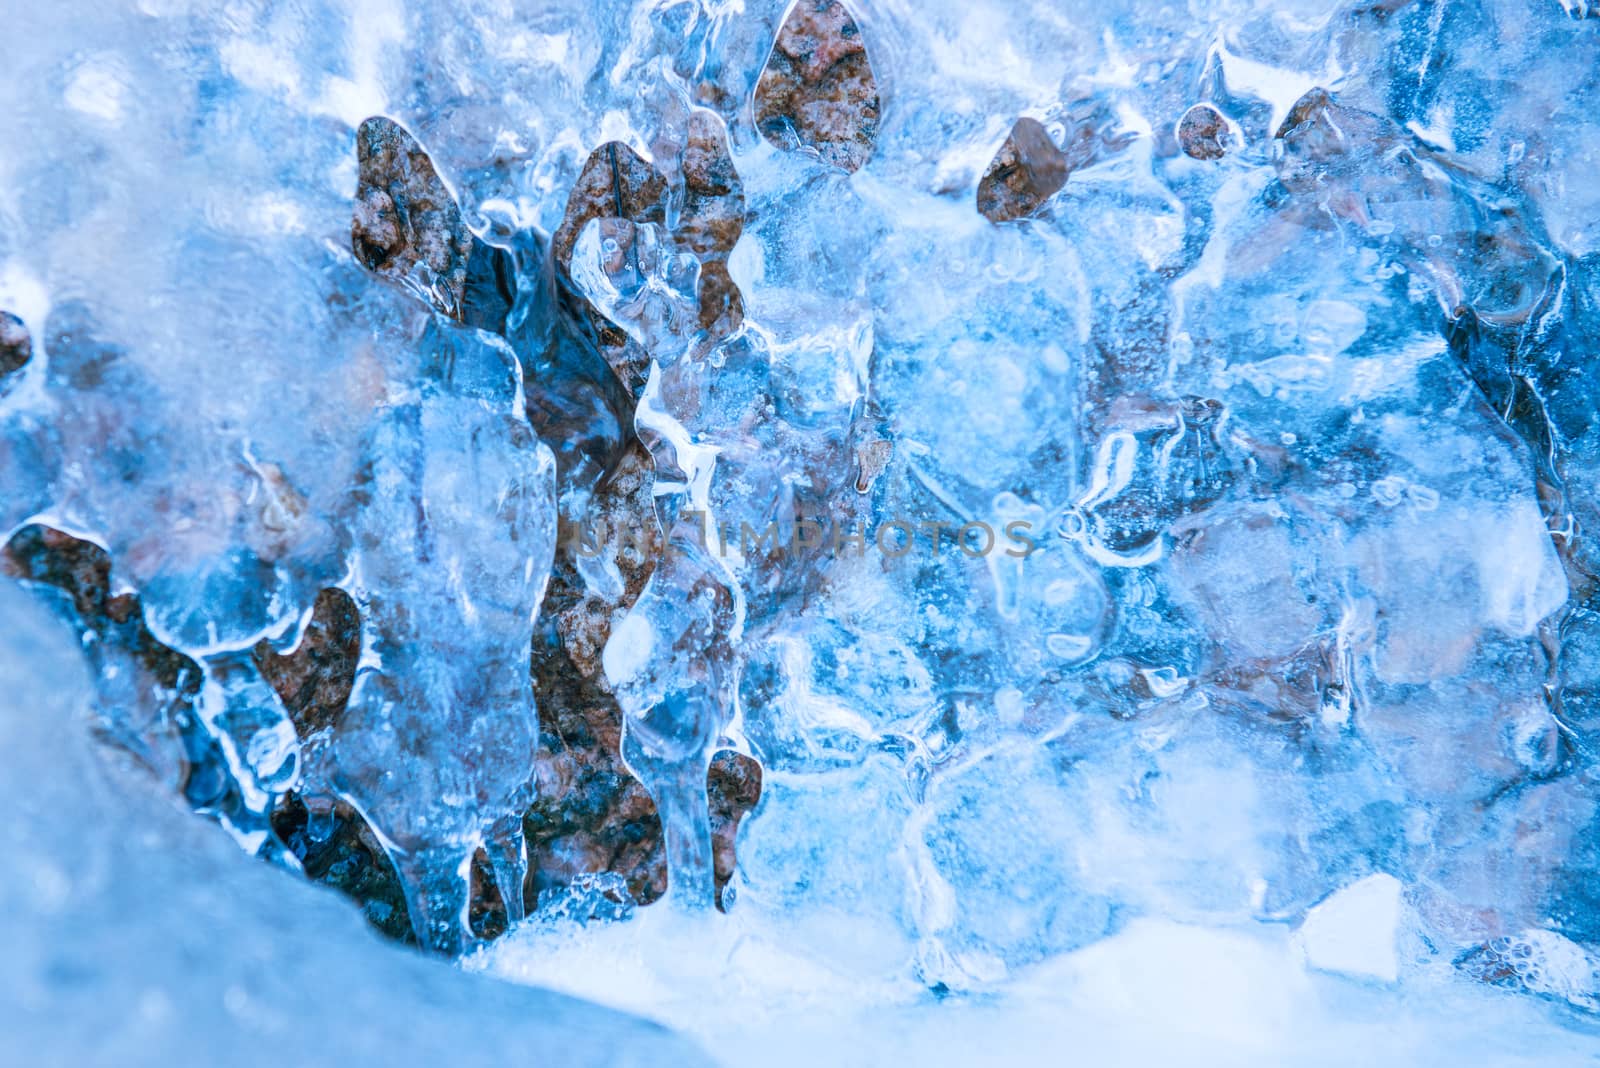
1354, 930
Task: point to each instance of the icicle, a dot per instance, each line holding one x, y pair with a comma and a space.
508, 859
436, 882
258, 741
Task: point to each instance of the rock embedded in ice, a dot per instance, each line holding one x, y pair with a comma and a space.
705, 191
1203, 133
336, 847
16, 346
314, 678
1027, 171
615, 183
407, 225
818, 90
712, 219
589, 814
1301, 421
733, 789
314, 681
453, 545
145, 692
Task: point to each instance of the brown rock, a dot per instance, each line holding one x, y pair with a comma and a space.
615, 183
337, 848
713, 209
721, 303
16, 347
157, 685
1324, 142
1203, 133
619, 525
343, 852
1027, 171
818, 90
314, 679
80, 568
872, 459
407, 226
712, 220
591, 815
734, 787
83, 571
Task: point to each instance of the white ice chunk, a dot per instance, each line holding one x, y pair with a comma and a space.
1354, 930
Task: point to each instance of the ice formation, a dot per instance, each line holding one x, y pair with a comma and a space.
158, 941
956, 497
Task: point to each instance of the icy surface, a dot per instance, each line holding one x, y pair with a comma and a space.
138, 935
1125, 474
1156, 992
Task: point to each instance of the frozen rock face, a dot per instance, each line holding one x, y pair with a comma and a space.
436, 747
137, 934
937, 481
345, 413
146, 701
